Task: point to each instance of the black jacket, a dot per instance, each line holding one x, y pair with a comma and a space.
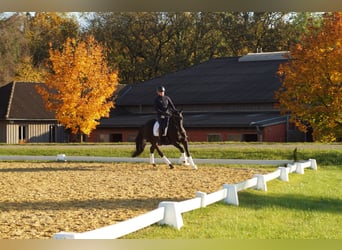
164, 105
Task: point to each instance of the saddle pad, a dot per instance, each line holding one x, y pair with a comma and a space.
156, 129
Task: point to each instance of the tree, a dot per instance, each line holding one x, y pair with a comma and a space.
49, 27
312, 80
14, 45
26, 72
135, 42
24, 42
147, 45
80, 87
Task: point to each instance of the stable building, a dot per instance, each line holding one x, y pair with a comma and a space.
223, 99
23, 117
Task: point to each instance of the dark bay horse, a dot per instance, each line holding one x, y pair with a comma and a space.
176, 136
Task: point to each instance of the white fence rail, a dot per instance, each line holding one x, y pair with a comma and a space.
120, 229
170, 213
247, 184
189, 205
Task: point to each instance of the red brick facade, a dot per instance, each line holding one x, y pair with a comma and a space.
275, 133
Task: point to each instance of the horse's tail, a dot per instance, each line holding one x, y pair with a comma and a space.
140, 144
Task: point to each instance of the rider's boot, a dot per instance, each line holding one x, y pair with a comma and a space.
161, 135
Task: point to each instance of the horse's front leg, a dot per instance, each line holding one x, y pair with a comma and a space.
183, 159
166, 160
188, 156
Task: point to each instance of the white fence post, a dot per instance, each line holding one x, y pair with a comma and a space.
261, 183
292, 167
284, 173
232, 196
202, 195
313, 164
299, 168
172, 214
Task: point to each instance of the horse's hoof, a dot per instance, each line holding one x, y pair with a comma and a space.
171, 166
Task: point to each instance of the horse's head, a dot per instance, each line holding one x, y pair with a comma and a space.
177, 116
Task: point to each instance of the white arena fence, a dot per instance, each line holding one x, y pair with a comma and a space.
170, 212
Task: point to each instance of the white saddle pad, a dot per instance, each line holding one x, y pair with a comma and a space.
156, 129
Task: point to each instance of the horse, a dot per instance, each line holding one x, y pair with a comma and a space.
176, 136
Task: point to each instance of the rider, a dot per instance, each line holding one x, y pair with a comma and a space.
164, 107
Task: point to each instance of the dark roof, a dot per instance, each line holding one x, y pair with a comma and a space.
217, 81
198, 119
5, 95
20, 100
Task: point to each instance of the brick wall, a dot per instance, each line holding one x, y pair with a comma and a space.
276, 133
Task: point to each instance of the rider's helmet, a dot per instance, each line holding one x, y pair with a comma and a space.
161, 89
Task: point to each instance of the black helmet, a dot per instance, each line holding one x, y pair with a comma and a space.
161, 89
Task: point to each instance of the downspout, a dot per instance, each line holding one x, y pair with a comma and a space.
259, 131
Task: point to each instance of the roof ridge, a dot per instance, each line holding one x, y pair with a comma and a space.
10, 100
265, 56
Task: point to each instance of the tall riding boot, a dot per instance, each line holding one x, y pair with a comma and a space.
161, 133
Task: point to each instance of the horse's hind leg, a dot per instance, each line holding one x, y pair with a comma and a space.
152, 161
166, 160
152, 148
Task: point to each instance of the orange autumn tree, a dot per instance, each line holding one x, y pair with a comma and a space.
311, 88
80, 86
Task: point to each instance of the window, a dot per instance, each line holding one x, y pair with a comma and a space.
110, 138
22, 133
214, 137
234, 137
116, 137
131, 137
249, 137
104, 138
53, 133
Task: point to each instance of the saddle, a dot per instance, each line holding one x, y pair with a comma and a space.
156, 129
181, 135
163, 140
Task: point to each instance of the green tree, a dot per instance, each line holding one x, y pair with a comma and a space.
26, 72
49, 27
14, 45
135, 42
146, 45
312, 80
